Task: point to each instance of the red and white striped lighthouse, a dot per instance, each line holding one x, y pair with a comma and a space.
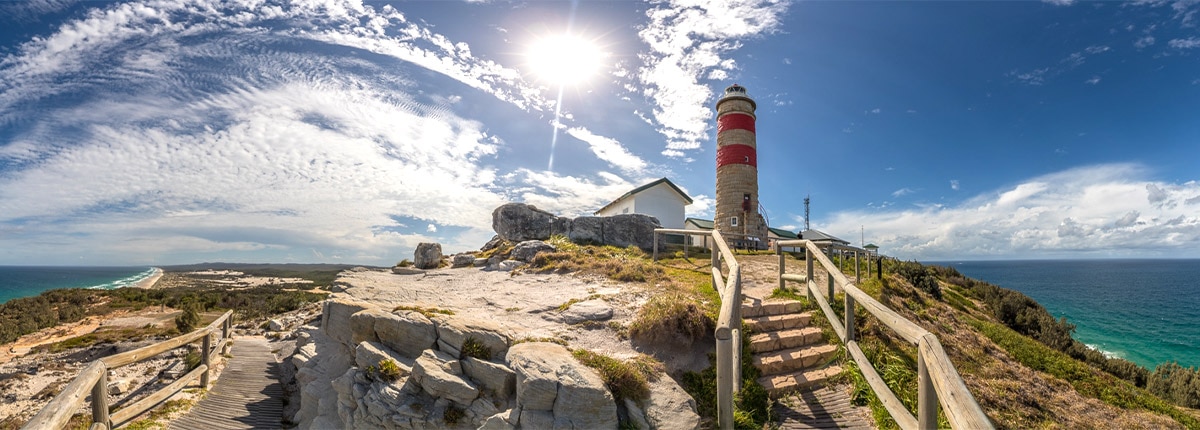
737, 169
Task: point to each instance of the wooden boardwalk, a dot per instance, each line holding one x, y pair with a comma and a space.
248, 394
822, 408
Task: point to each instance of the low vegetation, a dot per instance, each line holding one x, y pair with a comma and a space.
427, 312
625, 379
473, 348
27, 315
970, 315
752, 405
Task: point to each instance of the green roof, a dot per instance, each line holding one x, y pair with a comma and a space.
706, 224
871, 246
646, 187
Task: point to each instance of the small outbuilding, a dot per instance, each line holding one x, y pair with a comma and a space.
661, 199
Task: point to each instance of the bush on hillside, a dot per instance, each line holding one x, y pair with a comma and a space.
1177, 384
919, 276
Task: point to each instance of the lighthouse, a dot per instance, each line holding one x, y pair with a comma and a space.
737, 170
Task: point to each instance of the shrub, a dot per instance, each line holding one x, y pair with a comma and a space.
921, 277
472, 347
1178, 384
389, 370
624, 380
189, 319
669, 317
453, 415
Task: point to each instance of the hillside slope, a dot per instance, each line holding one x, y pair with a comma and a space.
1019, 381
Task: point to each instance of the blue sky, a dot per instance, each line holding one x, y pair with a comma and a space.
160, 132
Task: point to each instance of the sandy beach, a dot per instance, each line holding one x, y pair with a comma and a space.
151, 280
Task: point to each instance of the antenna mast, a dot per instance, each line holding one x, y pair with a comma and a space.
806, 200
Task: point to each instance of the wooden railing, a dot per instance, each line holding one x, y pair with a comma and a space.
937, 380
94, 379
729, 320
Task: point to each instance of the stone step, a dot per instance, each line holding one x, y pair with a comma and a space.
793, 359
776, 322
772, 308
785, 339
778, 385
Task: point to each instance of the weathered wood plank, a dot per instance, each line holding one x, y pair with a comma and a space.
903, 417
139, 407
56, 413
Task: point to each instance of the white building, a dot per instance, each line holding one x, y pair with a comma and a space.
660, 199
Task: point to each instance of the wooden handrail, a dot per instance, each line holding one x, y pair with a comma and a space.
729, 321
94, 377
937, 380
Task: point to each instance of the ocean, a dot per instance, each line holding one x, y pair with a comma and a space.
1145, 311
17, 281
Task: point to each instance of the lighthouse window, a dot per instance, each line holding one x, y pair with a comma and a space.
733, 221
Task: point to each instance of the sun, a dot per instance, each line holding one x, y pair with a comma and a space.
564, 59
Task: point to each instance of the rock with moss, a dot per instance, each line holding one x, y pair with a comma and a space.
587, 310
552, 384
428, 255
454, 331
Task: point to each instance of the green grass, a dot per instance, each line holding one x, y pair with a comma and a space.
625, 379
472, 347
789, 294
1086, 380
389, 370
752, 405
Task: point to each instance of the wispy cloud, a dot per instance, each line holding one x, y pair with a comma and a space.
689, 42
954, 184
303, 146
1189, 43
1104, 210
902, 192
609, 150
1143, 41
1093, 81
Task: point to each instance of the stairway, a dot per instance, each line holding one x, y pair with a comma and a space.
789, 352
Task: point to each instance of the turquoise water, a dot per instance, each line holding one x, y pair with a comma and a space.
16, 281
1145, 311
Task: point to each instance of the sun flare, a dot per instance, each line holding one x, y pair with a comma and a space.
564, 59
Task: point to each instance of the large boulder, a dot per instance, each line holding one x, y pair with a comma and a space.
428, 255
518, 222
587, 229
630, 229
551, 382
525, 251
495, 377
462, 260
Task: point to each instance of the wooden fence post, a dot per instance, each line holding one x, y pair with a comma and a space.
927, 402
857, 277
849, 319
655, 236
779, 250
205, 350
100, 400
810, 284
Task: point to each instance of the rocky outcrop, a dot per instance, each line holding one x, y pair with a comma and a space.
525, 251
588, 310
555, 389
518, 222
370, 368
427, 255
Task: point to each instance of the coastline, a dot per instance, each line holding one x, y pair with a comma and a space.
150, 280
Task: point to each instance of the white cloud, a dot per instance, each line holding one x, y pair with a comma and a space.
1098, 211
1143, 42
609, 150
1097, 49
431, 228
1093, 81
1189, 43
687, 41
1060, 2
954, 184
902, 192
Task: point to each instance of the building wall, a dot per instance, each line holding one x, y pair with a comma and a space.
624, 206
735, 180
662, 202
